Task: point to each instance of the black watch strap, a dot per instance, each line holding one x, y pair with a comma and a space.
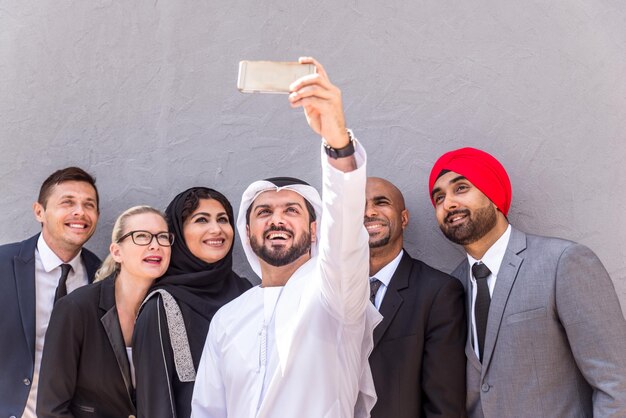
346, 151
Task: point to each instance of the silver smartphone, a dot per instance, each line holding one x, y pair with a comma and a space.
270, 76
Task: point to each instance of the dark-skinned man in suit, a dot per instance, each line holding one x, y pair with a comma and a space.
418, 361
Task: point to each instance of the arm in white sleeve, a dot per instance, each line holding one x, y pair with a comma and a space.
343, 249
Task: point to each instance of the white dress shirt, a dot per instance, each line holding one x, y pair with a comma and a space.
47, 274
301, 350
384, 275
492, 259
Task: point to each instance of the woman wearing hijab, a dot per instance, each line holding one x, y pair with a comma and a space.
86, 369
173, 323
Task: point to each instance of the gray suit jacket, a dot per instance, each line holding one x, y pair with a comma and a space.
556, 337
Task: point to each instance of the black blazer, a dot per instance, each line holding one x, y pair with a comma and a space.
85, 370
160, 392
17, 321
418, 361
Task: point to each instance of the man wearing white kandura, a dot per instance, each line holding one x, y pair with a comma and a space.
297, 345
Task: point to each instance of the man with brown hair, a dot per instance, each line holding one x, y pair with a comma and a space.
35, 273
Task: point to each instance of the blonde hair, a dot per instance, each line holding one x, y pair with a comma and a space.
110, 266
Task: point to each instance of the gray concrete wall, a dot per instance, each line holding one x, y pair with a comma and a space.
143, 95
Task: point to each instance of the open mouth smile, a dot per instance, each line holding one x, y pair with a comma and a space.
214, 242
77, 225
153, 259
455, 218
277, 233
373, 225
283, 236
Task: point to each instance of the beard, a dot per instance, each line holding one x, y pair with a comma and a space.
477, 225
381, 242
282, 256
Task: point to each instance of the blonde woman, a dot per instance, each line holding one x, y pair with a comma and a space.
87, 368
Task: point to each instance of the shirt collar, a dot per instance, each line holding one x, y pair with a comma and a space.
494, 255
49, 260
386, 273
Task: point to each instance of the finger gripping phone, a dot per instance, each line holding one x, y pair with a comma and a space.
270, 76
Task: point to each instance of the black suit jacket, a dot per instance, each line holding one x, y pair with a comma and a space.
418, 361
17, 321
84, 369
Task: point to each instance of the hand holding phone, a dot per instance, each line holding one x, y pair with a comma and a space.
321, 101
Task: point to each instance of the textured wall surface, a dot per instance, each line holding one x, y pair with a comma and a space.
143, 95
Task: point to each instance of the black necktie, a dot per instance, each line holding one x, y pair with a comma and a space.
62, 287
374, 286
481, 306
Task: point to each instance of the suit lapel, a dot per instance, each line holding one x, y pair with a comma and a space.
24, 275
392, 300
111, 324
504, 283
91, 262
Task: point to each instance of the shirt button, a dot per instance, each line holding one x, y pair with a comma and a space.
485, 387
12, 416
26, 381
131, 416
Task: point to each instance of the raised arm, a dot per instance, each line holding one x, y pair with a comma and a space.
323, 108
343, 247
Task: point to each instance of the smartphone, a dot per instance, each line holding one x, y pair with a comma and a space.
270, 76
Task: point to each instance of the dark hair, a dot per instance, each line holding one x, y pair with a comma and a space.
442, 172
63, 175
309, 208
192, 201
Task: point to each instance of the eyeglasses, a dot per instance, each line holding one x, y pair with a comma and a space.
165, 239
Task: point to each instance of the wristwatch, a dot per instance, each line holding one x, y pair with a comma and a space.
346, 151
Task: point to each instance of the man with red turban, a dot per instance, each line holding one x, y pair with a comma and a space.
546, 336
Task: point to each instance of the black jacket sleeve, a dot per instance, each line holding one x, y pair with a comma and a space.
60, 361
443, 373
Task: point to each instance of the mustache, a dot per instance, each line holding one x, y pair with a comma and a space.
275, 228
372, 219
457, 212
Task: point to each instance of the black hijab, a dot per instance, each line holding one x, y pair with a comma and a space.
203, 287
200, 289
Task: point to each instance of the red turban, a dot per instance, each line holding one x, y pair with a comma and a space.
480, 168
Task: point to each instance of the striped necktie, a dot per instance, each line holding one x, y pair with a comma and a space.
374, 286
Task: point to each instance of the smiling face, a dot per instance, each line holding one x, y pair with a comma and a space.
279, 228
385, 215
207, 231
142, 261
68, 217
465, 215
